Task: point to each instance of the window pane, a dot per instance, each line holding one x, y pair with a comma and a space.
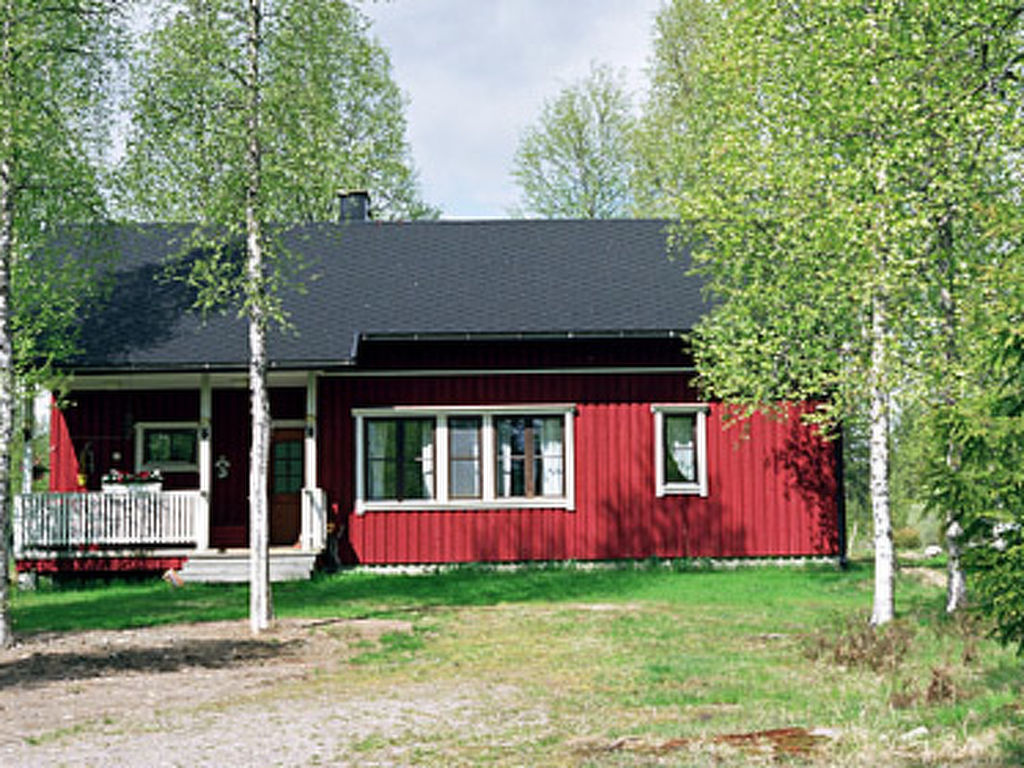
381, 480
530, 456
464, 457
510, 443
550, 471
169, 446
381, 439
681, 448
464, 435
399, 459
158, 447
417, 459
464, 479
287, 467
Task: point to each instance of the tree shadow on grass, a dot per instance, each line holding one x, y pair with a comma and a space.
42, 668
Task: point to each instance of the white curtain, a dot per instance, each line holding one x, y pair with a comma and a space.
427, 461
552, 459
682, 446
505, 468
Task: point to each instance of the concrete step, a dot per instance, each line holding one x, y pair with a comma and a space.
233, 566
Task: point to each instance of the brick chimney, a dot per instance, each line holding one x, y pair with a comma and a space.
353, 205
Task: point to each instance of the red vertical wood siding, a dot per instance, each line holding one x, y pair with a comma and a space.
772, 483
63, 460
96, 425
101, 425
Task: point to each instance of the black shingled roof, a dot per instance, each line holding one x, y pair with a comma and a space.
370, 280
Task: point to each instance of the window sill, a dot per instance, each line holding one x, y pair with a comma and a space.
688, 489
168, 468
463, 505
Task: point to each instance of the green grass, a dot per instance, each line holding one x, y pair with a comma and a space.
580, 660
747, 592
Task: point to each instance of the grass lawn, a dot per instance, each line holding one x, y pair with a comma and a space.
638, 666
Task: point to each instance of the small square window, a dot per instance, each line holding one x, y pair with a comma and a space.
680, 450
167, 447
680, 447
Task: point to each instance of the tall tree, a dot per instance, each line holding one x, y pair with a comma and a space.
53, 59
576, 161
261, 609
823, 146
246, 117
333, 116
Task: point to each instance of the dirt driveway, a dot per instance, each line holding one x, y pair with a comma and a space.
210, 694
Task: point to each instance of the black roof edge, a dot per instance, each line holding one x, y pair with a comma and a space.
290, 365
521, 335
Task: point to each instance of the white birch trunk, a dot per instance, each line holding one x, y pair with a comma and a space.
883, 608
6, 341
956, 582
260, 606
6, 398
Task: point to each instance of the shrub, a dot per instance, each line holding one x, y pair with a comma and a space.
906, 538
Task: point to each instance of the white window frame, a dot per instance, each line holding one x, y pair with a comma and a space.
488, 499
661, 486
141, 427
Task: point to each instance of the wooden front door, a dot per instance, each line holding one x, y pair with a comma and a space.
286, 478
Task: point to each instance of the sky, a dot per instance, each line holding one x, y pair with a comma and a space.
478, 71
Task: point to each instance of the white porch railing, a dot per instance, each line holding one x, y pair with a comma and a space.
314, 519
125, 519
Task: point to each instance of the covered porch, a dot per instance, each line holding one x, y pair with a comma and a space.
150, 471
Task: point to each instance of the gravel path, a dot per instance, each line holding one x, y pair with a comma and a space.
209, 694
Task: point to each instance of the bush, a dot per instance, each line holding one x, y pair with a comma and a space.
906, 538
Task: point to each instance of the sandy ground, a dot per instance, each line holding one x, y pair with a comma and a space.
210, 694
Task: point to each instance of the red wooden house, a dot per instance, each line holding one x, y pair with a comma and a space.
447, 392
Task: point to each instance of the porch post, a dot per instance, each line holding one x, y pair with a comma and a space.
205, 462
309, 445
308, 536
28, 427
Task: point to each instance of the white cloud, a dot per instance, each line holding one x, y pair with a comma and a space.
477, 72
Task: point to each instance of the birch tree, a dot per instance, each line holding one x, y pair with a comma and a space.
576, 160
821, 146
333, 116
53, 60
246, 117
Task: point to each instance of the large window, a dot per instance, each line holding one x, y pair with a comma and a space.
681, 463
462, 458
169, 447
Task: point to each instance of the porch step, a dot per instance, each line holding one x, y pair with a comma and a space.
233, 566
